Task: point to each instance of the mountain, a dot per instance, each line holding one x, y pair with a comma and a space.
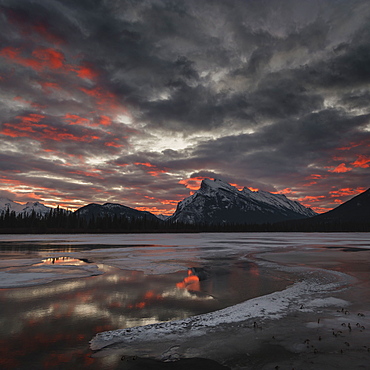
26, 208
355, 210
162, 217
110, 209
217, 202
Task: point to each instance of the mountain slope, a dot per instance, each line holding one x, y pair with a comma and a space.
26, 209
111, 209
218, 202
356, 210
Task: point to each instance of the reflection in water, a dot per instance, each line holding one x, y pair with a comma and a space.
68, 261
191, 282
49, 326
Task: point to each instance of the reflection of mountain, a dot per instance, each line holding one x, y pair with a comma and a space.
217, 202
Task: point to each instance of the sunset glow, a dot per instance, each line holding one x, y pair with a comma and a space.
107, 104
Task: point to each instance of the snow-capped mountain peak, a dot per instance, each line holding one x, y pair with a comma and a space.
7, 204
219, 202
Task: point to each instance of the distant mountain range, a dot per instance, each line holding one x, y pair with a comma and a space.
26, 209
219, 203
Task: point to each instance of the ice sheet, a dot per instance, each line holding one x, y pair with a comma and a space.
273, 306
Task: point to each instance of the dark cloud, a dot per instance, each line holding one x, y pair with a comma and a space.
137, 101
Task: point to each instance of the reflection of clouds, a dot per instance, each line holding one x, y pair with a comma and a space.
45, 291
184, 294
69, 261
91, 310
39, 313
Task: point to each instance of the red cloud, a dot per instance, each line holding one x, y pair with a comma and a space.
32, 104
14, 55
361, 161
29, 126
43, 30
47, 86
50, 58
74, 119
104, 99
113, 144
86, 71
85, 173
340, 168
105, 121
41, 58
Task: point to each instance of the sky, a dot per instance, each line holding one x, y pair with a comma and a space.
135, 102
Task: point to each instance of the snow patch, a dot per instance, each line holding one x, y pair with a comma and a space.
272, 306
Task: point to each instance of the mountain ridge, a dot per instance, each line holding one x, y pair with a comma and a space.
219, 202
26, 208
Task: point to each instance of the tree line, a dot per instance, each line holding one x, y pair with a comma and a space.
61, 221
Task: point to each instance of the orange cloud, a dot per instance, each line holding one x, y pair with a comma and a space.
340, 168
237, 186
156, 211
252, 189
284, 191
155, 171
146, 164
193, 183
320, 209
314, 176
310, 198
346, 191
168, 201
362, 161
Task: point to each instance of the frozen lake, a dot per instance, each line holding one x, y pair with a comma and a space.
58, 291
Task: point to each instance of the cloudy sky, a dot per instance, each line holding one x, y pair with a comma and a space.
136, 101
